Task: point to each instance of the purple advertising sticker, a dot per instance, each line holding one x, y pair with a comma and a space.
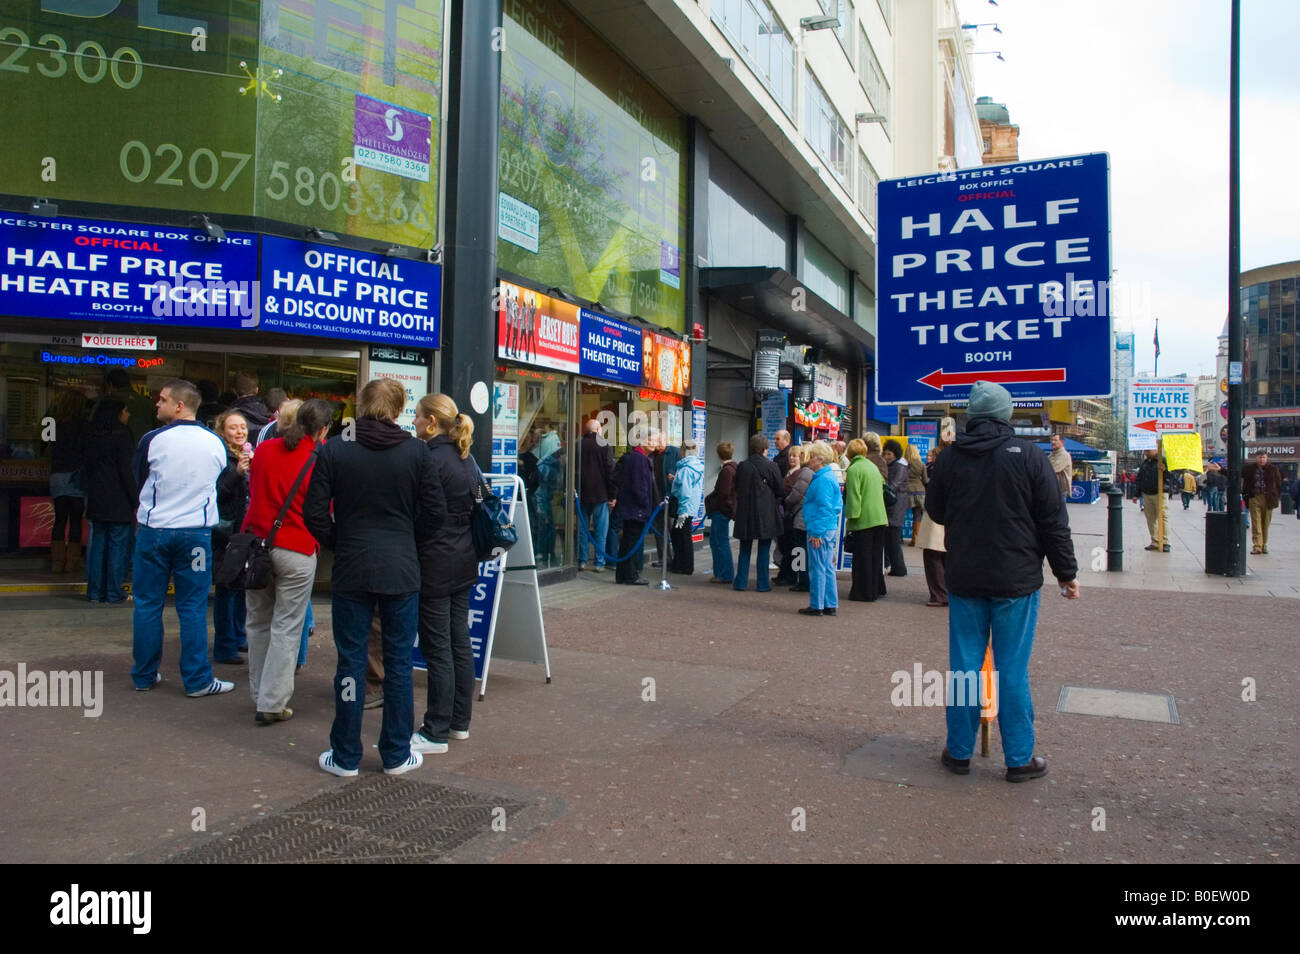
391, 138
670, 265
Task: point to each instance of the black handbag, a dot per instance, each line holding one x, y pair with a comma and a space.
246, 564
492, 529
891, 495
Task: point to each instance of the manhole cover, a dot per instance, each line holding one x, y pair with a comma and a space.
372, 819
1141, 706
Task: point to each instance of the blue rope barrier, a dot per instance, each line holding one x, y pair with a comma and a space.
600, 550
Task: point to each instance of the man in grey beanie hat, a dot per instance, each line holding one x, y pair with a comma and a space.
1002, 512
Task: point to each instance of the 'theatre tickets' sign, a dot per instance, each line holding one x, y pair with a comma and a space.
998, 273
1157, 407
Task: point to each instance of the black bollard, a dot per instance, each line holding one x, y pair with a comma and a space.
1115, 530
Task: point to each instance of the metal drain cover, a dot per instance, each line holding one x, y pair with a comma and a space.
1119, 704
375, 819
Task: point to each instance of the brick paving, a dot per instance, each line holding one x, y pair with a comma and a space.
758, 713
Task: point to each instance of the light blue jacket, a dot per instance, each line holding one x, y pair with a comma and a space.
688, 485
822, 505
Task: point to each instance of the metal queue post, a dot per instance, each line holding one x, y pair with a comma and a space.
663, 564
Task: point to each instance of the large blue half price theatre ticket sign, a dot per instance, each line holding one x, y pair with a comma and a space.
998, 273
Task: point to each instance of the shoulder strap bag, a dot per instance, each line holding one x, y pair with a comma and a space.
247, 561
491, 528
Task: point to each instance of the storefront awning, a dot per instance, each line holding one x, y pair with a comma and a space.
767, 294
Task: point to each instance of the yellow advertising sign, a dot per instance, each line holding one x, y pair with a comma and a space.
1183, 452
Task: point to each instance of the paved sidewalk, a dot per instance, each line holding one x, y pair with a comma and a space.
756, 718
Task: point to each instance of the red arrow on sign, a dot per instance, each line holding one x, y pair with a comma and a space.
939, 380
1155, 427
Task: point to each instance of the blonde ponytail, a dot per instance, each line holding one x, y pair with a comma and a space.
462, 432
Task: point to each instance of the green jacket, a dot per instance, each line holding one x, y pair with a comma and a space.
864, 496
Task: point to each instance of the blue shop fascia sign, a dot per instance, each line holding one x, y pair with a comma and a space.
166, 276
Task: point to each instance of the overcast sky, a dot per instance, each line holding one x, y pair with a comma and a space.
1147, 82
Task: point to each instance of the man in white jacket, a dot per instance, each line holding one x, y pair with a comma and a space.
177, 467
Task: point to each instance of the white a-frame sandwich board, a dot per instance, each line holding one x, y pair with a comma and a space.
515, 628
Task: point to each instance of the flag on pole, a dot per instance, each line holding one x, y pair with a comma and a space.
1157, 338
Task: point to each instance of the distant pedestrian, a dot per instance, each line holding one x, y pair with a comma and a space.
795, 486
786, 541
1261, 488
720, 505
929, 537
376, 538
916, 481
1002, 511
687, 495
635, 479
898, 477
596, 492
279, 403
820, 513
1189, 488
758, 486
176, 469
110, 501
68, 479
1215, 485
229, 609
1062, 465
872, 440
448, 571
256, 414
276, 614
1153, 501
866, 524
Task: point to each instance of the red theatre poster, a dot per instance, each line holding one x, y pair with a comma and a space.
36, 521
665, 363
537, 329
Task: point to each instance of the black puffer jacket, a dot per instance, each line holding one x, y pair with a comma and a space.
447, 561
1002, 512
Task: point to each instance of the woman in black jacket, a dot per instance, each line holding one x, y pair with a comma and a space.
111, 498
758, 488
448, 571
374, 500
228, 608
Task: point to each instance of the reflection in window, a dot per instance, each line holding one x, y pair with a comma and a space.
754, 30
824, 130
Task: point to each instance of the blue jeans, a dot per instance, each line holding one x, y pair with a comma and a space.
399, 616
106, 561
720, 545
763, 570
184, 556
822, 590
1012, 623
597, 514
308, 624
229, 613
1214, 500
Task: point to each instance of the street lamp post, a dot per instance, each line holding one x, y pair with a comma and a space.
1236, 564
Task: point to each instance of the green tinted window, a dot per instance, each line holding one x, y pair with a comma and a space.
591, 169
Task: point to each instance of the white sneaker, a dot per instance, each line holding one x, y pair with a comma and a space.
410, 765
458, 734
326, 761
420, 744
217, 687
